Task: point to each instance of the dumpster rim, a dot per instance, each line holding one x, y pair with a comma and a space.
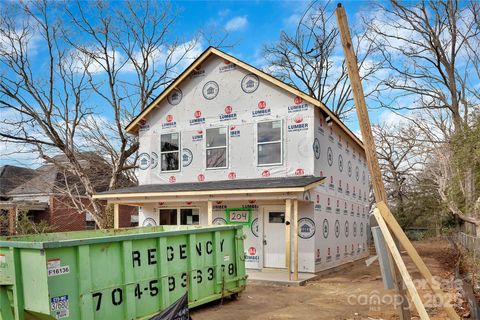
110, 238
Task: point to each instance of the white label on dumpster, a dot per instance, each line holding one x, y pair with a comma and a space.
226, 258
3, 259
59, 306
54, 268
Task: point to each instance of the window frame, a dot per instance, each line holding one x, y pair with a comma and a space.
179, 152
227, 147
270, 142
179, 215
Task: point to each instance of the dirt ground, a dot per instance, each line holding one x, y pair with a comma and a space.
355, 292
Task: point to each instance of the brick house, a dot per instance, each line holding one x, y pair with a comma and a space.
40, 192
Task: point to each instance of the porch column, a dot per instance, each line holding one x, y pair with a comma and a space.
288, 237
210, 213
116, 216
295, 240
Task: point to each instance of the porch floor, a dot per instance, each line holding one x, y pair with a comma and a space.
277, 277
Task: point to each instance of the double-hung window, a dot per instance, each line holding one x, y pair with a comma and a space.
217, 148
269, 142
170, 152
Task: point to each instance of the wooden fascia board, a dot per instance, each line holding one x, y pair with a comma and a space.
132, 127
193, 193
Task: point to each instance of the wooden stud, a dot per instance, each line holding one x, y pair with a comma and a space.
116, 216
295, 240
417, 260
210, 212
288, 237
401, 266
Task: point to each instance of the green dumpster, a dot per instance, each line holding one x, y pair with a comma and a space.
118, 274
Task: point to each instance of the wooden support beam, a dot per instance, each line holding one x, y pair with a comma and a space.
288, 237
401, 266
116, 216
295, 240
417, 260
366, 130
210, 212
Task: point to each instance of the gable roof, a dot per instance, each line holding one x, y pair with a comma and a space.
13, 176
132, 127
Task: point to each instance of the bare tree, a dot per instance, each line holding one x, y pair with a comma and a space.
429, 51
311, 59
94, 68
400, 161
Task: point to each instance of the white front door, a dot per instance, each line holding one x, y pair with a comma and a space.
274, 237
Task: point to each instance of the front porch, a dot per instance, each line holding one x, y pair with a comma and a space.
274, 201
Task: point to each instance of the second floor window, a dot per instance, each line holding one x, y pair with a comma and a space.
170, 151
269, 142
216, 148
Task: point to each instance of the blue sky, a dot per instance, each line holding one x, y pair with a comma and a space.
250, 25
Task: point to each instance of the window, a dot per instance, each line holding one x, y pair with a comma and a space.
168, 217
269, 142
216, 148
179, 216
276, 217
170, 151
189, 217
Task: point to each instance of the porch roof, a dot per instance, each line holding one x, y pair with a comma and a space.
262, 185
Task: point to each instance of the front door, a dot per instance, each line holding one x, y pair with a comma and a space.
274, 237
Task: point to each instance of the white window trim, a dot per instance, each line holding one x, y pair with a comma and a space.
227, 147
179, 153
178, 215
270, 142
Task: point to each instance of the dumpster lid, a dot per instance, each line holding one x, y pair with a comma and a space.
283, 184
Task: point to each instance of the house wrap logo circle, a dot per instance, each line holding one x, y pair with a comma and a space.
228, 109
326, 228
262, 105
298, 119
187, 157
201, 177
143, 161
306, 228
340, 162
175, 97
337, 228
316, 148
197, 114
153, 160
169, 118
297, 100
219, 221
254, 227
330, 156
250, 83
149, 222
210, 90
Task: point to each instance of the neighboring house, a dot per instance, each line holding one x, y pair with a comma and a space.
228, 143
41, 193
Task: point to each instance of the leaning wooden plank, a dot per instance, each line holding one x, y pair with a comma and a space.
401, 266
417, 260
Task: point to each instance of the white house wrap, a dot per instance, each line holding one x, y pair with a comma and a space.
225, 121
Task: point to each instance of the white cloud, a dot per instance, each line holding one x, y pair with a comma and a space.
237, 23
391, 118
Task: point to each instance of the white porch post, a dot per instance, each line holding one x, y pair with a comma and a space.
210, 212
295, 240
116, 216
288, 237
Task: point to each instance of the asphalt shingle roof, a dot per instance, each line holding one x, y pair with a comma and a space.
262, 183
